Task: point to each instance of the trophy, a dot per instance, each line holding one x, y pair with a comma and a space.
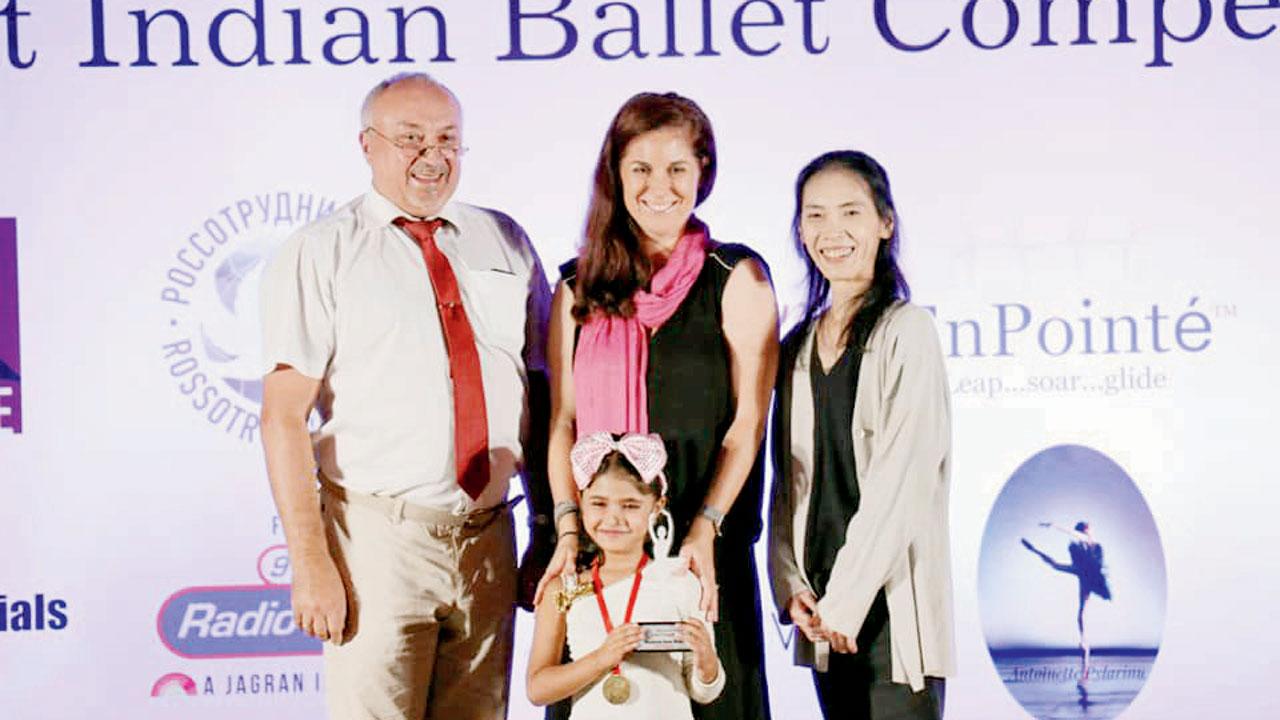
662, 635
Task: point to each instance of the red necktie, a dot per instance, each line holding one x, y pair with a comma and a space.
470, 422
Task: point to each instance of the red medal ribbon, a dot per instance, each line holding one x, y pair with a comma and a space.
631, 602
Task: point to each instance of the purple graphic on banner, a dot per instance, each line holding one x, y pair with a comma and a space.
210, 298
1072, 585
10, 365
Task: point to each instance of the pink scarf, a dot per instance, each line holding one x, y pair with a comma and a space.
612, 359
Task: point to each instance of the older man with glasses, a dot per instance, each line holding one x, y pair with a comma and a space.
413, 325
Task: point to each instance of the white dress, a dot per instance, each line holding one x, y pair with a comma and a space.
662, 683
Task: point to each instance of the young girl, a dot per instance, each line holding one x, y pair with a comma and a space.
598, 609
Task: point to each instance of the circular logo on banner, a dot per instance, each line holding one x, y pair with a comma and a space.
1071, 583
210, 299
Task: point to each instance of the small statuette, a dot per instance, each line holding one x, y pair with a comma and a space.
617, 689
661, 524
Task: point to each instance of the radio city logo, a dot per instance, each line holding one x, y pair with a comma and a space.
210, 300
232, 621
10, 364
39, 613
238, 621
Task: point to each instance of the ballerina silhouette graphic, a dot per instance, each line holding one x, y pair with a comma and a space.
1087, 566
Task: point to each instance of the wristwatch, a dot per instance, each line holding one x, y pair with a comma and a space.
715, 516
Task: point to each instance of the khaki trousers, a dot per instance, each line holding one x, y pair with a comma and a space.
430, 610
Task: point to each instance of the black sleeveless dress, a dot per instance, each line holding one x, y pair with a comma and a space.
691, 405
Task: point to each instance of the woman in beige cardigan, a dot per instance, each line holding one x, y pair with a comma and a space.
859, 557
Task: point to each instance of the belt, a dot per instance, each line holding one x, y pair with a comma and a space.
398, 509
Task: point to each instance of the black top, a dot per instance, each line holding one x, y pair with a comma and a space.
690, 395
873, 636
834, 496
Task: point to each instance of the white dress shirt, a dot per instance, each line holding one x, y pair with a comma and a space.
347, 300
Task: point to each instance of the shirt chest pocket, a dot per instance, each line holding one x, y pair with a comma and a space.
499, 301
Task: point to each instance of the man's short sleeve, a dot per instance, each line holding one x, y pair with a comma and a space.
296, 304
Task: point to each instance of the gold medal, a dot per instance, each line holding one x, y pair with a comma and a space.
617, 689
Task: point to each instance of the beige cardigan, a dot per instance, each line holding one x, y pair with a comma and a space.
898, 539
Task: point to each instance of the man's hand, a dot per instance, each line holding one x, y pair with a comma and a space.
319, 598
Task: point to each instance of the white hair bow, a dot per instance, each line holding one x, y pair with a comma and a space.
646, 453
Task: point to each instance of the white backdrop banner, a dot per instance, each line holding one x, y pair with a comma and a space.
1088, 203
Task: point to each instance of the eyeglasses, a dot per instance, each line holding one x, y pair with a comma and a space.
412, 144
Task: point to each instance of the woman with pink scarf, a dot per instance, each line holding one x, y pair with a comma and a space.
658, 328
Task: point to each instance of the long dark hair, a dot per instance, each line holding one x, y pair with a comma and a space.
888, 284
611, 267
